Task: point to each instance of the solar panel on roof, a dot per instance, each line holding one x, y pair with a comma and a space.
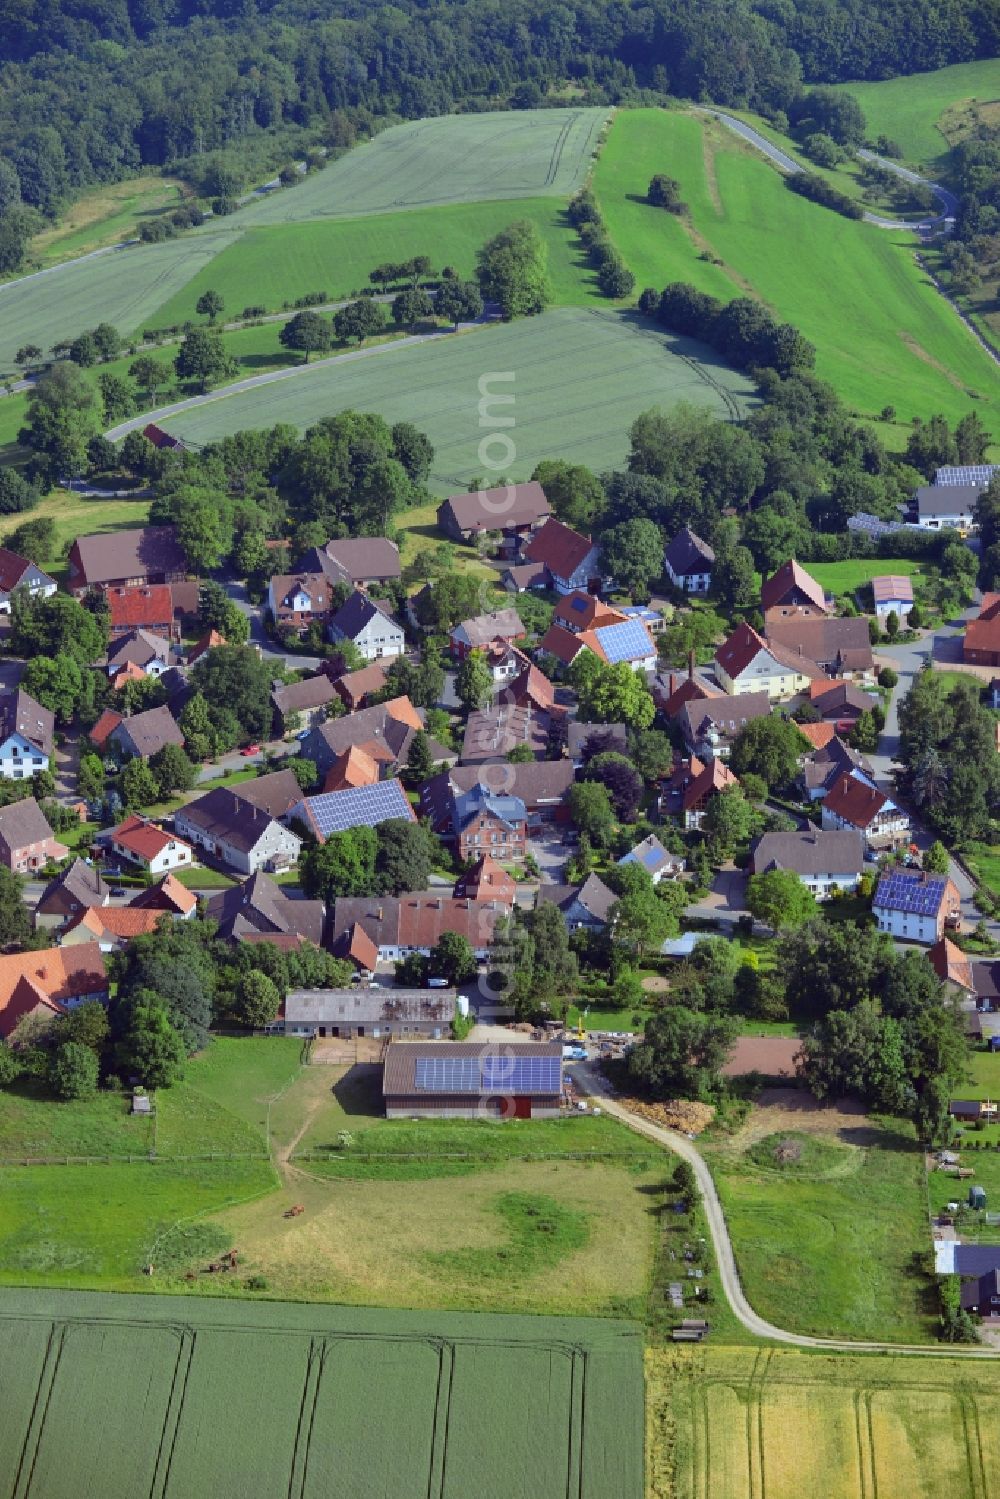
504, 1074
358, 806
914, 897
651, 857
446, 1074
627, 641
579, 605
966, 473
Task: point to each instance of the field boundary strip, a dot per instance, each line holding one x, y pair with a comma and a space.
174, 1413
39, 1411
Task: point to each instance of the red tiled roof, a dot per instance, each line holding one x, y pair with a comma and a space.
739, 649
584, 611
486, 880
141, 608
48, 978
561, 643
12, 569
142, 837
854, 801
105, 726
558, 547
531, 687
706, 780
951, 964
791, 576
117, 921
818, 734
165, 895
207, 642
352, 767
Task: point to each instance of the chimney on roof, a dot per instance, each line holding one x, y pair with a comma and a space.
690, 666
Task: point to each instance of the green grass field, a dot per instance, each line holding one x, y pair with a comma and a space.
104, 216
273, 265
846, 577
825, 1246
452, 159
882, 333
727, 1423
909, 109
581, 378
126, 1395
983, 860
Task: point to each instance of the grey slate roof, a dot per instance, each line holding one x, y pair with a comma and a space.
353, 559
226, 816
510, 810
21, 714
148, 732
368, 1006
295, 697
945, 499
810, 853
81, 882
594, 895
688, 554
357, 611
23, 822
259, 905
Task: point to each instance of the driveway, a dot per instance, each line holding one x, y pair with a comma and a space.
725, 901
550, 853
236, 588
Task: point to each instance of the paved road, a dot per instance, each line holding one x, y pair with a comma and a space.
237, 591
786, 163
272, 377
591, 1080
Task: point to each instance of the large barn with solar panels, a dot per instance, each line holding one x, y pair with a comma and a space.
472, 1080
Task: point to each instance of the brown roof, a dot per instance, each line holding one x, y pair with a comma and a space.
495, 509
791, 578
483, 629
148, 732
983, 633
355, 686
855, 801
22, 823
672, 689
841, 644
951, 964
486, 880
558, 547
594, 895
356, 558
316, 585
276, 793
561, 643
491, 733
227, 816
127, 554
12, 569
185, 596
726, 714
259, 907
357, 947
538, 783
417, 920
48, 978
313, 692
80, 884
831, 698
532, 687
738, 650
21, 714
383, 731
584, 611
208, 642
399, 1073
168, 894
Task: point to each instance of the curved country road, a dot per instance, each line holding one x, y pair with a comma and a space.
592, 1082
787, 164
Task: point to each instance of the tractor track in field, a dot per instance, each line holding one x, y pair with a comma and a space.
592, 1082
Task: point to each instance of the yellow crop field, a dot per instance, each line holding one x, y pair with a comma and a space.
728, 1423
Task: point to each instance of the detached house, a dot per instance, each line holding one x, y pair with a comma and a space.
26, 731
486, 880
49, 983
353, 807
369, 626
149, 607
825, 862
692, 786
258, 910
301, 704
151, 654
945, 507
981, 646
571, 561
231, 829
71, 892
143, 734
17, 572
657, 861
141, 842
489, 822
26, 840
586, 907
384, 731
710, 725
893, 594
840, 703
916, 907
689, 562
624, 640
296, 600
791, 590
842, 647
747, 663
541, 785
853, 802
502, 628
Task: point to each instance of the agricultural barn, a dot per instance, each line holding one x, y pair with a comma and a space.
369, 1012
469, 1080
126, 559
514, 509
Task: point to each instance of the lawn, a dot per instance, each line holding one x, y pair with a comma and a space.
78, 515
909, 110
130, 1395
581, 378
983, 860
728, 1423
243, 1073
826, 1245
274, 265
848, 577
451, 159
105, 216
33, 1125
882, 333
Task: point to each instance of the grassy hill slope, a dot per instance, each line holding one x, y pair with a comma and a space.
883, 335
908, 109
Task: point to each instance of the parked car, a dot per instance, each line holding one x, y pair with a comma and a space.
251, 749
574, 1053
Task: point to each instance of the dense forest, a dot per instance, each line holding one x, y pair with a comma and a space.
92, 91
